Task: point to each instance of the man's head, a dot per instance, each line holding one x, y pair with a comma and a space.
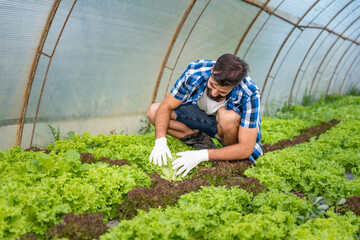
227, 72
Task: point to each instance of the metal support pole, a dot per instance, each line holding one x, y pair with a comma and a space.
34, 65
47, 70
171, 45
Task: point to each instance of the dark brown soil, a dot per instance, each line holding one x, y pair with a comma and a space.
305, 136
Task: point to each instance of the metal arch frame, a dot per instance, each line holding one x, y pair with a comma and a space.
337, 73
327, 53
308, 51
280, 49
338, 63
171, 45
249, 27
324, 58
268, 11
47, 70
357, 58
324, 28
183, 46
292, 47
333, 32
164, 65
347, 73
34, 65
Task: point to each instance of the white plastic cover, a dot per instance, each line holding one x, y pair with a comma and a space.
103, 68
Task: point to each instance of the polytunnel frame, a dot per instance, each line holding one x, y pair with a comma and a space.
301, 27
325, 28
263, 8
40, 52
328, 51
347, 73
183, 46
271, 12
171, 46
296, 25
337, 65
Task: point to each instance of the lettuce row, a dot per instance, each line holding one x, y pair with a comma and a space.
324, 110
135, 149
37, 189
221, 213
317, 167
274, 129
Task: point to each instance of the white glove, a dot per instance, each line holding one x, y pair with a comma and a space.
159, 152
189, 159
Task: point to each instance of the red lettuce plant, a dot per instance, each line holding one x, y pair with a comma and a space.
28, 236
351, 204
305, 136
78, 227
164, 193
89, 158
111, 162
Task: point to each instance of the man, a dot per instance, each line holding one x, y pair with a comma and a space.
211, 99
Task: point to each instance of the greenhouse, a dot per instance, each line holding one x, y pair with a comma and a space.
80, 119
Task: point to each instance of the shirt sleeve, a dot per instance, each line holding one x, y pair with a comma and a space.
181, 90
250, 112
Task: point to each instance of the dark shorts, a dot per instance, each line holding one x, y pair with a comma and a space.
192, 116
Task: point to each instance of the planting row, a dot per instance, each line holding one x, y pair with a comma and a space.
88, 174
221, 213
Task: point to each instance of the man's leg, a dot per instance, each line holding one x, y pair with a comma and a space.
189, 124
228, 122
176, 129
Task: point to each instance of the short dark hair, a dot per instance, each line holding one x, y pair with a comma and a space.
230, 70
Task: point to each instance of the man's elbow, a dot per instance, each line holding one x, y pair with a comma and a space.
248, 151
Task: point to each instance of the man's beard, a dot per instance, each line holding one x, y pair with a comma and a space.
216, 98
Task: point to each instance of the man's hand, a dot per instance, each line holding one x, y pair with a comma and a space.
159, 152
189, 159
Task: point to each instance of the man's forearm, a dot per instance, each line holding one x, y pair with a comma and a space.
162, 120
232, 152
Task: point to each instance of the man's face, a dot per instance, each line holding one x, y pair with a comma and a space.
215, 91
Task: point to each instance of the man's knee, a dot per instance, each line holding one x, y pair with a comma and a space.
227, 118
152, 111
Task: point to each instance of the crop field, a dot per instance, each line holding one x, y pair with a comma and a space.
305, 186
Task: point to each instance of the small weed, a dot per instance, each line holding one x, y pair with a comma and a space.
56, 133
354, 91
318, 207
146, 128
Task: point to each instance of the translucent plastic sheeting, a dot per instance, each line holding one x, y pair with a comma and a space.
349, 25
102, 74
217, 31
21, 25
284, 70
339, 77
350, 75
343, 52
330, 63
261, 54
288, 10
320, 12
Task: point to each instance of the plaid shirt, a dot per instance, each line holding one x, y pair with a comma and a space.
244, 98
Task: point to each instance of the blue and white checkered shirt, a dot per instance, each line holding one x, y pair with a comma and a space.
244, 98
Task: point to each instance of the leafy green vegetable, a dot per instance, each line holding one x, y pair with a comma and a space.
274, 130
37, 189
